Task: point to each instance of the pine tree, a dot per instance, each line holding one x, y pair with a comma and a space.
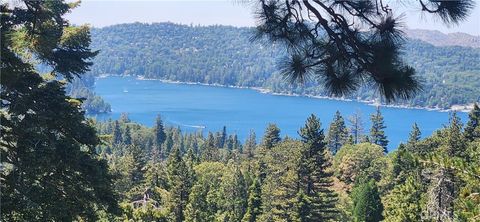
180, 179
413, 139
315, 179
367, 205
337, 133
210, 151
456, 143
234, 193
140, 161
254, 203
205, 197
271, 137
223, 137
159, 134
117, 134
472, 129
237, 145
377, 133
127, 136
443, 188
50, 168
250, 144
403, 203
356, 126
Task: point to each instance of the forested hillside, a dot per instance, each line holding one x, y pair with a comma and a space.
330, 174
225, 55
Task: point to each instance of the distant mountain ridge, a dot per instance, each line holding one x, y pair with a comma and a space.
438, 38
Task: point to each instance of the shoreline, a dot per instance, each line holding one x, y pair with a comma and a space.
455, 108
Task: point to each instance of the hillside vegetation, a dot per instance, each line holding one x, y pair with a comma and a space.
226, 56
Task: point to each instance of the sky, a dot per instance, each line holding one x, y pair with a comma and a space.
101, 13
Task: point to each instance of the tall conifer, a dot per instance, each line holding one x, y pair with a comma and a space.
315, 177
337, 133
377, 133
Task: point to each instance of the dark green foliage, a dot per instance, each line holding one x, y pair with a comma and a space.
413, 139
250, 144
337, 133
234, 194
455, 140
209, 150
318, 200
221, 138
404, 202
271, 136
281, 183
180, 181
472, 129
127, 136
117, 134
50, 169
377, 133
159, 133
367, 205
254, 202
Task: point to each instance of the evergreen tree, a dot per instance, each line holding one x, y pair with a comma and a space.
205, 197
250, 144
404, 165
403, 203
472, 129
356, 126
167, 144
271, 136
367, 205
443, 188
315, 178
337, 133
210, 151
377, 133
236, 144
159, 134
127, 136
180, 178
219, 142
234, 194
223, 137
281, 183
117, 134
254, 203
456, 143
50, 168
413, 139
140, 161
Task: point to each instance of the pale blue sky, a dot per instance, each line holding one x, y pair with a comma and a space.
100, 13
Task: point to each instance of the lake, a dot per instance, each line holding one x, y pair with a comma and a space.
193, 107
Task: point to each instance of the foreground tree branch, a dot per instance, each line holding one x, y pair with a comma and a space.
345, 45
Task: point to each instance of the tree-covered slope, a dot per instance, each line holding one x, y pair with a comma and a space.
225, 55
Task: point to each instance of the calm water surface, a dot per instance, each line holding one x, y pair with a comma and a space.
192, 107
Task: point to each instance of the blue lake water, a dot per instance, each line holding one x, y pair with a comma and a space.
192, 106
